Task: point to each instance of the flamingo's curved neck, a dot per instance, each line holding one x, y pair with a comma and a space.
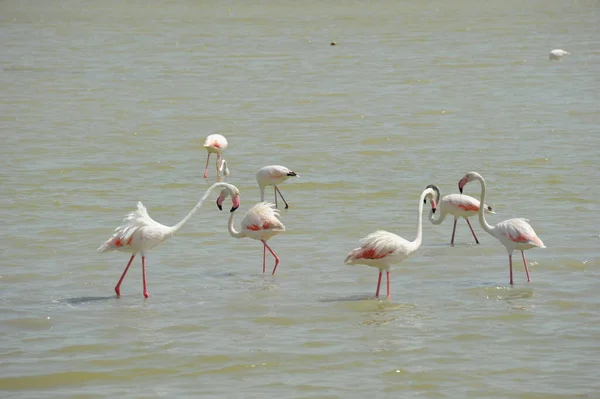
175, 229
419, 238
439, 220
232, 230
486, 226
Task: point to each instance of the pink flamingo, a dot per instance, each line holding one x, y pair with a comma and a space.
273, 175
459, 206
215, 143
512, 233
139, 232
383, 249
261, 222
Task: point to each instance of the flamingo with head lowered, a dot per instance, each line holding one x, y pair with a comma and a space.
139, 232
216, 144
273, 175
261, 222
382, 249
512, 233
459, 206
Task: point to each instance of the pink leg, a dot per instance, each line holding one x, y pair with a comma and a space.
389, 294
146, 295
281, 195
472, 231
206, 167
525, 264
274, 254
378, 285
510, 267
453, 232
118, 286
275, 192
218, 162
264, 258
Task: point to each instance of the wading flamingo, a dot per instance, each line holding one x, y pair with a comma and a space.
261, 222
273, 175
139, 232
215, 143
383, 249
512, 233
557, 54
459, 206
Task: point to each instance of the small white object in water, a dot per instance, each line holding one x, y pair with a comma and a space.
557, 54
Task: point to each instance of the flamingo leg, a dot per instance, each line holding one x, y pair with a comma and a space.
389, 294
206, 167
525, 264
472, 231
510, 267
281, 195
378, 285
146, 295
453, 232
274, 254
218, 163
118, 286
264, 258
275, 192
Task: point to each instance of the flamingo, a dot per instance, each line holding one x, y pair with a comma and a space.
512, 233
557, 54
215, 143
261, 222
273, 175
381, 249
139, 232
459, 206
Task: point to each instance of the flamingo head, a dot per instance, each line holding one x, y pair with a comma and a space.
433, 193
229, 190
468, 178
433, 198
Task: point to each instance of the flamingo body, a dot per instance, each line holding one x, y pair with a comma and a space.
383, 249
557, 54
514, 234
261, 223
138, 233
273, 175
216, 144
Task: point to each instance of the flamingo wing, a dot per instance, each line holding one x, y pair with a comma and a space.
263, 216
376, 246
520, 232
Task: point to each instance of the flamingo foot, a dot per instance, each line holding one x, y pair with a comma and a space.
118, 291
146, 295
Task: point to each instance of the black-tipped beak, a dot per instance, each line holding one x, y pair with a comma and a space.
219, 206
233, 208
433, 210
460, 188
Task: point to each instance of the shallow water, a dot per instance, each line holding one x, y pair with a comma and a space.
108, 103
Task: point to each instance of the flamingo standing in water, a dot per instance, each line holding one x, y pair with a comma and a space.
139, 232
557, 54
273, 175
215, 143
261, 222
383, 249
459, 206
512, 233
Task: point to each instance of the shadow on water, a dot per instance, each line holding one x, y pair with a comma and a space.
87, 299
348, 298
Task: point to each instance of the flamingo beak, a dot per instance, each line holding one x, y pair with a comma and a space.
433, 206
220, 202
461, 184
235, 203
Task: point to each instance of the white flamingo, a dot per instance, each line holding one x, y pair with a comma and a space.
557, 54
261, 222
139, 232
215, 143
512, 233
459, 206
273, 175
382, 249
